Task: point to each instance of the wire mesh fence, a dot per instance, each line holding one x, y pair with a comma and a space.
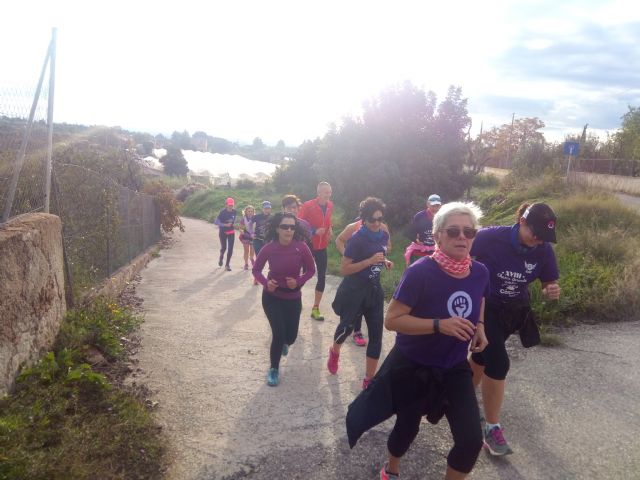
105, 225
15, 105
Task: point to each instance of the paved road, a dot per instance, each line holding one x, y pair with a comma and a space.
571, 412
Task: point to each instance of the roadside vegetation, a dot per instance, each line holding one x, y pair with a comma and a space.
69, 419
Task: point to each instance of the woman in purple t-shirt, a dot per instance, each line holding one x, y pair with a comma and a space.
360, 292
290, 266
516, 256
437, 311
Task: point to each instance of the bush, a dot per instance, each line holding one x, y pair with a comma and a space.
168, 205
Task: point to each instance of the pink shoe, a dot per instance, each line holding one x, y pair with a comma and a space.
332, 363
365, 383
384, 475
359, 339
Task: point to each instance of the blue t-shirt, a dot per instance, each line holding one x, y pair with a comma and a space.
360, 247
423, 227
432, 293
511, 271
226, 216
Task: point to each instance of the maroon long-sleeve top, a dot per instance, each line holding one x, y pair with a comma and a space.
293, 260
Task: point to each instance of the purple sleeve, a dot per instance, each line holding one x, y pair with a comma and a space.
261, 260
549, 271
410, 287
308, 264
351, 248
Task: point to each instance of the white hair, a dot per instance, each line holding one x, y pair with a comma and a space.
456, 208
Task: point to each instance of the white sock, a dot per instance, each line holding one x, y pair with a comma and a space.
489, 426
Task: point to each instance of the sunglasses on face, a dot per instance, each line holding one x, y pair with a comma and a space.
286, 227
375, 219
454, 232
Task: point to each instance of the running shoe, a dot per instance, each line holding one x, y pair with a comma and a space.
365, 383
332, 363
494, 442
384, 475
272, 377
220, 262
359, 339
315, 314
285, 350
227, 268
246, 267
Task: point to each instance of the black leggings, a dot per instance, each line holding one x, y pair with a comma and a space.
462, 414
224, 241
352, 313
499, 323
320, 257
284, 318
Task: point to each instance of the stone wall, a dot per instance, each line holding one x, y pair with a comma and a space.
32, 301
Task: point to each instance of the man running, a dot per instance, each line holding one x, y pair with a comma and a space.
423, 244
317, 213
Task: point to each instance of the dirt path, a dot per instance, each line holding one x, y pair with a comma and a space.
205, 355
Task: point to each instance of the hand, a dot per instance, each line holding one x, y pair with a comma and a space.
458, 327
291, 283
419, 242
388, 264
272, 285
479, 340
320, 231
376, 258
552, 291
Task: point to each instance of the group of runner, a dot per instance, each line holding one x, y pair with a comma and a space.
463, 294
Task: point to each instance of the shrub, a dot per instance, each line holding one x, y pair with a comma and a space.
168, 204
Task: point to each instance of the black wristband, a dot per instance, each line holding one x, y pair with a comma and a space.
436, 325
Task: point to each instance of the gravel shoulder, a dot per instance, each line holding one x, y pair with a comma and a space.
570, 412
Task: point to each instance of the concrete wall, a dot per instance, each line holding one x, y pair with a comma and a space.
32, 301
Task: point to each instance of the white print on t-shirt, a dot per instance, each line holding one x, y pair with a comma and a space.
529, 267
460, 304
375, 270
510, 286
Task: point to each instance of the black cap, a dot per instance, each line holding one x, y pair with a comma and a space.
542, 221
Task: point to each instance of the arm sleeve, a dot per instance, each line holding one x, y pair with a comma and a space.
261, 260
549, 271
217, 221
410, 287
308, 265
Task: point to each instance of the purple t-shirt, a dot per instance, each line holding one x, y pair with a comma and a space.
511, 272
285, 261
360, 247
432, 293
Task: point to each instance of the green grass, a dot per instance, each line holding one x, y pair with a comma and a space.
206, 204
66, 420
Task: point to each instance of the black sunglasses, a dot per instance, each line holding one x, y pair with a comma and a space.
286, 226
454, 232
375, 219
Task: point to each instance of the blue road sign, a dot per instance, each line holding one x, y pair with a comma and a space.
571, 148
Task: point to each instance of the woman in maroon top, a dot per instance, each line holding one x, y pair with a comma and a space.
290, 266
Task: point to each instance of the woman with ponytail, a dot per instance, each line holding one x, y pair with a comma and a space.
437, 312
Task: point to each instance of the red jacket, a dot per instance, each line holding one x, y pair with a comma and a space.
312, 213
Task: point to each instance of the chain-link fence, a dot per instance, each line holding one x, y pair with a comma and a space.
105, 225
609, 166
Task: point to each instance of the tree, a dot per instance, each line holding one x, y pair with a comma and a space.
628, 138
257, 143
174, 163
506, 142
181, 140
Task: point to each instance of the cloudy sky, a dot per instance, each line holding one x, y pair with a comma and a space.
287, 69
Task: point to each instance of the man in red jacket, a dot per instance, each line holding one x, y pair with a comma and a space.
318, 213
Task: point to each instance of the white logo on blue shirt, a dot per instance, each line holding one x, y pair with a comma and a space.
460, 304
529, 267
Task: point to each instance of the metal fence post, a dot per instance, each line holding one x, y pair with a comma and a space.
52, 84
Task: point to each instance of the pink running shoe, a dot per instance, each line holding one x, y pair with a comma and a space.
384, 475
365, 383
332, 363
359, 339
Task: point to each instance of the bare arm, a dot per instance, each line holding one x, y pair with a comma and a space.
341, 240
399, 319
348, 267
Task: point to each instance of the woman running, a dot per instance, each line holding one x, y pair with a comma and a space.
246, 237
516, 256
226, 220
360, 293
437, 311
290, 266
341, 242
